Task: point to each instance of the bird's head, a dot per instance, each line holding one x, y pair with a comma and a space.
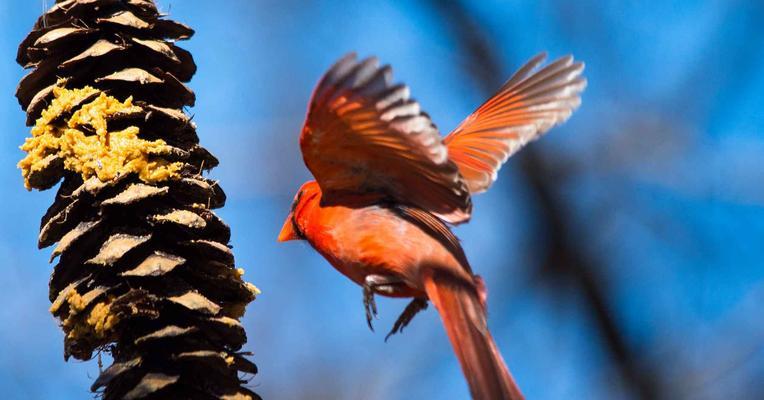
294, 226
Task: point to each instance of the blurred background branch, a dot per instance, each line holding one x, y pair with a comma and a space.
560, 257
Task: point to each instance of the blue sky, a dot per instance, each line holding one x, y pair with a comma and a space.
662, 181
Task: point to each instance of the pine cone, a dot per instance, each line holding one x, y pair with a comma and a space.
144, 268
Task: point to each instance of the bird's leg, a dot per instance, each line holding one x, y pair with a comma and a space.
414, 307
378, 284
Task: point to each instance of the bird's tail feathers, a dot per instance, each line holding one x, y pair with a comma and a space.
462, 310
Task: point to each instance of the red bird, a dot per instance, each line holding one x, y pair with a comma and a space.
387, 187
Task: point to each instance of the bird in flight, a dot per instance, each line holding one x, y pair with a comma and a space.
388, 187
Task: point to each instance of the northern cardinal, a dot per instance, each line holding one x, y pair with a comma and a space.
387, 187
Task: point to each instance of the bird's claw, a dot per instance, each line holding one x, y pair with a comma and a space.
412, 309
369, 304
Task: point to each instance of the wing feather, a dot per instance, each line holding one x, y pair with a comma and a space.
434, 227
364, 134
529, 104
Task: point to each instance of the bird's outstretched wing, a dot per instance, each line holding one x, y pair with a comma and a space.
365, 135
530, 103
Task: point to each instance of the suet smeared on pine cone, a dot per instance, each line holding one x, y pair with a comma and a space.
144, 270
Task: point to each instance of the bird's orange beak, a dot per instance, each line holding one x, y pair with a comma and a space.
287, 231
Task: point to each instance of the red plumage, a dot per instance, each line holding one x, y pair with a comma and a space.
387, 187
